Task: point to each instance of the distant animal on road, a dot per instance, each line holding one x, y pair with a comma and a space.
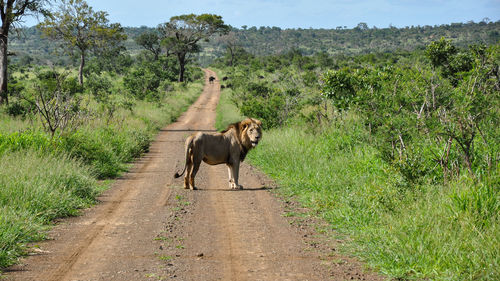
227, 147
211, 79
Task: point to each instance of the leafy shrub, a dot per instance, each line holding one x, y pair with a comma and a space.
260, 100
143, 81
339, 86
93, 149
19, 108
27, 140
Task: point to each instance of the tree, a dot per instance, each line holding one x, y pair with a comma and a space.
12, 12
81, 28
362, 26
445, 56
151, 42
230, 41
182, 34
339, 86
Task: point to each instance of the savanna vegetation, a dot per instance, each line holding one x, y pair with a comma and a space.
68, 129
394, 130
399, 151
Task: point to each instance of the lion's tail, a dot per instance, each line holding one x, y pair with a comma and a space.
189, 145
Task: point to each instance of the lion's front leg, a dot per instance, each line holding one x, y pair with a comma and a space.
235, 170
230, 174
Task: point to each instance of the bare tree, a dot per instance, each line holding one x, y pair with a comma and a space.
230, 41
58, 107
81, 29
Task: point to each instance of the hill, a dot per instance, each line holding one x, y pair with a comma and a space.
30, 47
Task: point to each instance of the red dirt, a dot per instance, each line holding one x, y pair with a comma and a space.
147, 227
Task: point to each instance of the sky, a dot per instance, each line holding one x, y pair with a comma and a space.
302, 13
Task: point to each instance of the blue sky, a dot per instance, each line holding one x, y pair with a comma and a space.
302, 13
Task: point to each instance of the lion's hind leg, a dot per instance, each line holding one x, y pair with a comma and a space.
189, 170
194, 169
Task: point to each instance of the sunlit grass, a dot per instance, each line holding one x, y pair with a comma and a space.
35, 188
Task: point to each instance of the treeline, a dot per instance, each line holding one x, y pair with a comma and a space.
362, 39
30, 47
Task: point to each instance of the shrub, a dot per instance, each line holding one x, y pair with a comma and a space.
143, 81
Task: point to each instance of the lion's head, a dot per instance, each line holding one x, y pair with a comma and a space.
250, 132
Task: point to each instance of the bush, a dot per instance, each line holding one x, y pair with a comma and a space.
143, 81
106, 149
273, 106
19, 108
32, 140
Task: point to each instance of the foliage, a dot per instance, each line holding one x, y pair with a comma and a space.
410, 170
265, 40
79, 28
144, 80
113, 60
338, 85
446, 56
55, 98
151, 42
181, 35
272, 105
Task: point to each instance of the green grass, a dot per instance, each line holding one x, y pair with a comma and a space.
405, 231
32, 194
43, 178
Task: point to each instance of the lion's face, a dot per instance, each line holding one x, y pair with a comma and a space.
253, 132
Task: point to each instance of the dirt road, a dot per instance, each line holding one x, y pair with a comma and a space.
149, 228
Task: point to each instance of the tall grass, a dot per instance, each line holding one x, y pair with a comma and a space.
405, 231
36, 187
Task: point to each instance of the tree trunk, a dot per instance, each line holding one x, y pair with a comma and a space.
232, 57
4, 97
80, 71
182, 64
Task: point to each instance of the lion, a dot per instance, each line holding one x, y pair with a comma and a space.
228, 147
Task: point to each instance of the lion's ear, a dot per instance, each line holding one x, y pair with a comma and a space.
258, 122
245, 123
